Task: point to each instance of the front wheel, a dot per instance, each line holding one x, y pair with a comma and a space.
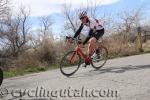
70, 63
103, 56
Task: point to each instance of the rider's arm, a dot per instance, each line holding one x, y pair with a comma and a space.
78, 31
88, 37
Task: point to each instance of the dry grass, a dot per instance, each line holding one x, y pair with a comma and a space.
119, 47
49, 52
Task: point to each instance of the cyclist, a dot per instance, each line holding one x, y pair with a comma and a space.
96, 30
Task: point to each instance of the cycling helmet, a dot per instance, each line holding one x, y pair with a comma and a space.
82, 14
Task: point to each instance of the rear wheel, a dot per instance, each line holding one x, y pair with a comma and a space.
98, 63
1, 76
70, 63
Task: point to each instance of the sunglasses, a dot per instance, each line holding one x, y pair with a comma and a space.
81, 18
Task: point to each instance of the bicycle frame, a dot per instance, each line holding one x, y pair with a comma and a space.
79, 51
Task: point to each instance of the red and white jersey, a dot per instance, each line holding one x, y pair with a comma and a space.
94, 24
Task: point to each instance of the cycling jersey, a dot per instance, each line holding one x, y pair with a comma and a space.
95, 28
94, 24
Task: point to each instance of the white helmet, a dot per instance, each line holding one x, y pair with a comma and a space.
82, 14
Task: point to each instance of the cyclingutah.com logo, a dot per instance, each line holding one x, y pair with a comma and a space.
1, 76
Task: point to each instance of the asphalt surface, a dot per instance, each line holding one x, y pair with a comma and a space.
125, 78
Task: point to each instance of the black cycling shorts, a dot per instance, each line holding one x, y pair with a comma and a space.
98, 34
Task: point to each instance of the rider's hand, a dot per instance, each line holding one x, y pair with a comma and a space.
70, 40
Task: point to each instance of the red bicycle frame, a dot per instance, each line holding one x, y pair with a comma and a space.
79, 51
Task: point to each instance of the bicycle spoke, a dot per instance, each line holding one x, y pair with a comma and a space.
70, 63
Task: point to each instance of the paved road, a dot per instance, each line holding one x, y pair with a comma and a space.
120, 79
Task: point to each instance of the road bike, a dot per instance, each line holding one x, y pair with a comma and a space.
71, 61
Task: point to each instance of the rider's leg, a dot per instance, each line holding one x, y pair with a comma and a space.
99, 35
92, 46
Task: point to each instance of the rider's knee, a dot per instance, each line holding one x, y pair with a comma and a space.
92, 40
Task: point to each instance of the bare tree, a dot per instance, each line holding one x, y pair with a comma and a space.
15, 30
45, 25
126, 28
43, 44
4, 12
130, 19
43, 32
4, 8
71, 21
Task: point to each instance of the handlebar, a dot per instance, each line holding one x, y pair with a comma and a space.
77, 40
69, 37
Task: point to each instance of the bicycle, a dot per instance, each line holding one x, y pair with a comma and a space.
71, 61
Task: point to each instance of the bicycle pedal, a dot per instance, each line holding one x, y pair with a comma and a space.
84, 65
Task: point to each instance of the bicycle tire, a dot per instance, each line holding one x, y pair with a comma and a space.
1, 76
62, 67
105, 59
